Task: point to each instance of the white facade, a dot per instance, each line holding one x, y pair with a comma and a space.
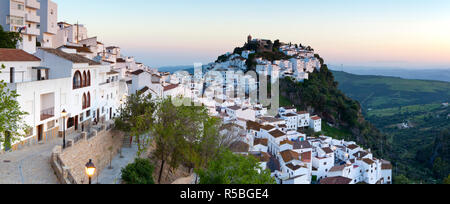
21, 15
48, 25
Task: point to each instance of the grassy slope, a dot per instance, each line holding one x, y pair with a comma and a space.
390, 92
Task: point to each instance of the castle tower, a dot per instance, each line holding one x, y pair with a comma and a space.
249, 38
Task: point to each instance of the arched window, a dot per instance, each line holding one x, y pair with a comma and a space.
88, 100
89, 78
84, 79
77, 80
83, 102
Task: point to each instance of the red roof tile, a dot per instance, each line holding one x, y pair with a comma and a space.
15, 55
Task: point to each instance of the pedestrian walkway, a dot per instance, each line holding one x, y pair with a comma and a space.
29, 166
113, 176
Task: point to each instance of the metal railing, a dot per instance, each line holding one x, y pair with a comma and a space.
47, 113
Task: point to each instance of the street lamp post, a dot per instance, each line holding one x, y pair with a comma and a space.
64, 115
90, 170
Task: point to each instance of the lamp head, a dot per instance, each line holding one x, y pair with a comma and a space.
90, 168
64, 113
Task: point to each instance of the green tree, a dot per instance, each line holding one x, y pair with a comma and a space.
12, 126
139, 172
136, 115
9, 39
401, 179
229, 168
447, 180
175, 130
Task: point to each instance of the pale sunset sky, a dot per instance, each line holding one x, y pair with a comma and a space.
377, 33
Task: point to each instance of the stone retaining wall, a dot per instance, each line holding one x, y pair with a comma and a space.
69, 164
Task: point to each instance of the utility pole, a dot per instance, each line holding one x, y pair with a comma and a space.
78, 31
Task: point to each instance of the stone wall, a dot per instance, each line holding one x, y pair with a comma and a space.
69, 164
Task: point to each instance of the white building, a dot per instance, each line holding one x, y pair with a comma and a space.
22, 16
316, 124
48, 24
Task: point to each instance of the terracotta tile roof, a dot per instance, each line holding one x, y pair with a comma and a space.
385, 165
111, 47
267, 127
337, 168
352, 146
277, 133
77, 59
286, 142
336, 180
327, 150
239, 147
137, 72
261, 156
302, 145
120, 60
234, 108
290, 115
112, 73
289, 156
368, 161
170, 87
143, 90
306, 157
15, 55
360, 154
302, 112
77, 48
294, 167
263, 142
315, 118
271, 119
253, 126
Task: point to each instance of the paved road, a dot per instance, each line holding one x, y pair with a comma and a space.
28, 166
112, 176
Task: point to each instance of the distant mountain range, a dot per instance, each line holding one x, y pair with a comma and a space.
425, 74
388, 92
173, 69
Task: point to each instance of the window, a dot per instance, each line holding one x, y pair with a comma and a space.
83, 102
12, 75
77, 80
88, 79
14, 20
84, 79
88, 104
30, 38
88, 114
70, 122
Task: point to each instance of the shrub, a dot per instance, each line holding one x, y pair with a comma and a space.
139, 172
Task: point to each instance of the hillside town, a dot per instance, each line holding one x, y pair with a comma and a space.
70, 82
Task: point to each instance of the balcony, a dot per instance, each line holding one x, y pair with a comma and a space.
32, 31
32, 18
34, 4
47, 113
